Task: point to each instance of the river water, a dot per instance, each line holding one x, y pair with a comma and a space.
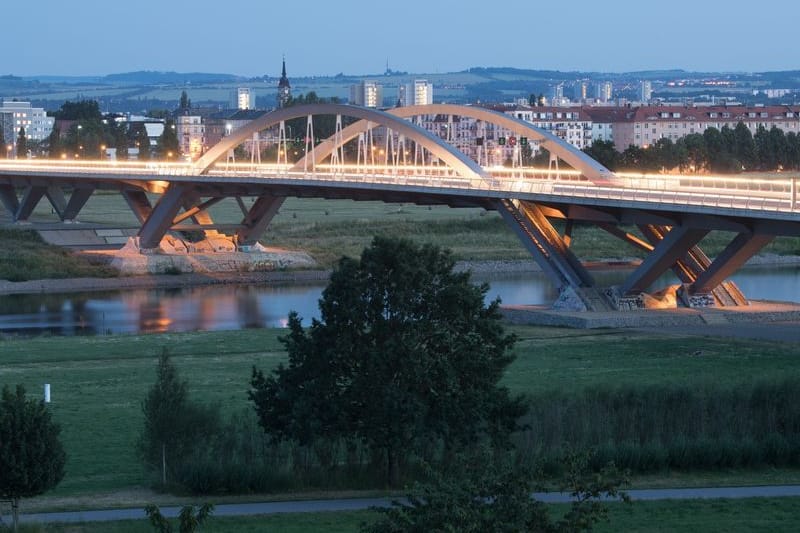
226, 307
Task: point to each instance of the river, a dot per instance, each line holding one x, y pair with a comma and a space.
226, 307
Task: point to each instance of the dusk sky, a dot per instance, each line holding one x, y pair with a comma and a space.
94, 37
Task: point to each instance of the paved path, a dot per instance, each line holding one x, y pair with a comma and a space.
311, 506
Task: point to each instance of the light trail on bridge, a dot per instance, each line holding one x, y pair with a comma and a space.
732, 192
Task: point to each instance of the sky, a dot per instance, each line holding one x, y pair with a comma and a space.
357, 37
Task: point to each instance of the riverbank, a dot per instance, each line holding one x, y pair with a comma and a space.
489, 268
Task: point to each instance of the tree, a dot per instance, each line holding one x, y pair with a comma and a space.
31, 456
143, 142
481, 494
22, 143
405, 354
604, 153
189, 520
3, 154
185, 103
743, 146
169, 147
172, 424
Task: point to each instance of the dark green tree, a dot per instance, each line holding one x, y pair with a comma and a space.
604, 153
168, 146
54, 145
172, 424
744, 149
405, 354
185, 104
22, 144
121, 141
696, 153
189, 520
482, 494
31, 455
3, 154
142, 141
83, 110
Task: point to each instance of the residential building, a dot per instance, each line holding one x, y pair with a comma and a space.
15, 115
604, 91
191, 135
245, 98
645, 91
642, 126
367, 94
419, 92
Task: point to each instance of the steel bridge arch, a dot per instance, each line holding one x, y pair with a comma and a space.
454, 158
591, 169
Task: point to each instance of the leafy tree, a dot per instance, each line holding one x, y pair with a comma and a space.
696, 153
172, 424
483, 494
405, 354
22, 143
120, 137
743, 146
169, 147
54, 144
189, 520
143, 142
83, 110
604, 153
31, 456
2, 143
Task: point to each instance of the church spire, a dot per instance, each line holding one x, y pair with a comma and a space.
284, 87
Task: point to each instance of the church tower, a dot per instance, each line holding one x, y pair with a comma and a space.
284, 88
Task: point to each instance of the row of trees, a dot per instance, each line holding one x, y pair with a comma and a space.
91, 132
726, 150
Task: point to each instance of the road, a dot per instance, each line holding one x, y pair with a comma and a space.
312, 506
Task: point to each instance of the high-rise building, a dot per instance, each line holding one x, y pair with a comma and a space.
15, 115
419, 92
284, 87
580, 91
245, 98
645, 91
367, 94
604, 91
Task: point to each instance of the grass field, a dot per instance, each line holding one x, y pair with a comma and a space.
328, 229
98, 382
732, 516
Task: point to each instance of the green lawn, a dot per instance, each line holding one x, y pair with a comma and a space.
327, 229
733, 516
98, 383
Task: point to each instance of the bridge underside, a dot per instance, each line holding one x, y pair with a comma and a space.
668, 239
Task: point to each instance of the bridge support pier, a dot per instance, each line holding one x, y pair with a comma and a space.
156, 225
30, 199
257, 219
736, 254
552, 253
78, 198
9, 198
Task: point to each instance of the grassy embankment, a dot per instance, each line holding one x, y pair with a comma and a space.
98, 384
733, 516
330, 228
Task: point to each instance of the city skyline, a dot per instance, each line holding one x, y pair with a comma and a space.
354, 37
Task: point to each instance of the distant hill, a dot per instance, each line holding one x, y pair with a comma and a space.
149, 77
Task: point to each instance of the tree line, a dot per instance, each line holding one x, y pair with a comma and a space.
727, 150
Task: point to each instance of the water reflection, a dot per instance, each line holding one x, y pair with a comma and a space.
227, 307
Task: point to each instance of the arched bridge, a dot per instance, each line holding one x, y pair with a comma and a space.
389, 156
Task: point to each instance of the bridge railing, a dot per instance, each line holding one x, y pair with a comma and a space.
735, 192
